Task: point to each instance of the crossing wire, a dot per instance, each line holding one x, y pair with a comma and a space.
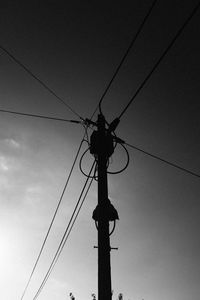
126, 53
67, 232
37, 260
52, 221
59, 119
71, 227
156, 65
17, 61
55, 259
65, 237
181, 29
163, 160
52, 92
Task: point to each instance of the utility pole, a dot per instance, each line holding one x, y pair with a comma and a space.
102, 148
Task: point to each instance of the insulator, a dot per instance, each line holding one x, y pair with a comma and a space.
113, 125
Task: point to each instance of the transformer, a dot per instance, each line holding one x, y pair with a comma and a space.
97, 145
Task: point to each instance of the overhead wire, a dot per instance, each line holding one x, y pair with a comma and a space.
50, 118
59, 98
126, 53
52, 221
38, 116
66, 233
44, 242
85, 135
164, 160
51, 91
78, 211
178, 33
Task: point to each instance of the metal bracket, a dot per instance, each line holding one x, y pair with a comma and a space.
111, 248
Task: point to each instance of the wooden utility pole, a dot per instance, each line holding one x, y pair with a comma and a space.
102, 148
104, 268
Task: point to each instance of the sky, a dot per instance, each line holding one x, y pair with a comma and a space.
75, 48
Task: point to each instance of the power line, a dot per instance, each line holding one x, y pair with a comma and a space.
38, 116
161, 57
16, 60
39, 255
52, 221
78, 211
70, 229
127, 52
164, 160
66, 234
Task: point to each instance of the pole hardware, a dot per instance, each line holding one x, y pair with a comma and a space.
97, 143
108, 212
114, 248
111, 248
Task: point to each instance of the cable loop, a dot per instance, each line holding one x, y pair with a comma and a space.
96, 224
113, 229
81, 169
126, 165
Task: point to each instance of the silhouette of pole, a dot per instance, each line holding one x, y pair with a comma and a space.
104, 267
102, 148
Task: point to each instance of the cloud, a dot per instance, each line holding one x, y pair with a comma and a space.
9, 145
8, 164
12, 143
4, 166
